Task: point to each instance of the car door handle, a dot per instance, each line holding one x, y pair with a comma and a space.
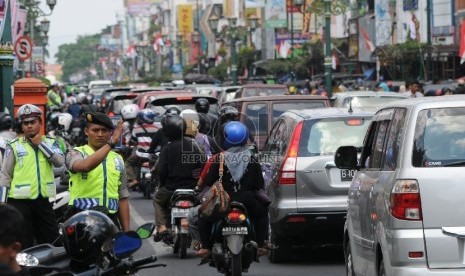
330, 165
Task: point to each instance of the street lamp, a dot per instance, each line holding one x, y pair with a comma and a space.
328, 8
297, 4
45, 25
196, 40
232, 21
179, 42
253, 24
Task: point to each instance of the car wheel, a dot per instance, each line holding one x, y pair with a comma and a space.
381, 270
349, 263
283, 252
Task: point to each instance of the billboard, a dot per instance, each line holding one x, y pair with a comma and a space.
141, 7
366, 38
383, 22
275, 14
283, 43
185, 22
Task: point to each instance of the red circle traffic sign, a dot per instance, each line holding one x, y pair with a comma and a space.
23, 48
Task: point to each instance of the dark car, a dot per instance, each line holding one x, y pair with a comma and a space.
260, 113
308, 192
253, 90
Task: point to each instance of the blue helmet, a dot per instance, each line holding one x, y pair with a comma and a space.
235, 134
147, 115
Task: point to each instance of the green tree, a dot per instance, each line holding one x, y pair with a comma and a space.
78, 56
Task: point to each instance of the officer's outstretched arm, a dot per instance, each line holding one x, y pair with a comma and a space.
92, 161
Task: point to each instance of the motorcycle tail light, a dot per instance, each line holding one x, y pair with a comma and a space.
235, 216
184, 204
69, 230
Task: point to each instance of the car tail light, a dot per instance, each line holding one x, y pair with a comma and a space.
236, 216
184, 204
415, 254
405, 201
296, 219
287, 172
111, 114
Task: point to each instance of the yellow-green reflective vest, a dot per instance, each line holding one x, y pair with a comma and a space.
55, 95
33, 174
98, 187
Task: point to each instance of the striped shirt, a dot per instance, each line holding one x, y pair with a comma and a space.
144, 137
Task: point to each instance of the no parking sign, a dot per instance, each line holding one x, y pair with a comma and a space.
23, 48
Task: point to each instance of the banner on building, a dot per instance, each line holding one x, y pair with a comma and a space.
275, 14
141, 7
308, 24
3, 10
366, 38
410, 5
185, 22
383, 22
283, 43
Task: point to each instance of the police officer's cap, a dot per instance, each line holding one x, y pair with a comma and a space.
28, 112
98, 118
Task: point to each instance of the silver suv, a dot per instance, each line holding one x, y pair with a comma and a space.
406, 212
309, 193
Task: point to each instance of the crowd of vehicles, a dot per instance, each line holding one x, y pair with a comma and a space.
376, 195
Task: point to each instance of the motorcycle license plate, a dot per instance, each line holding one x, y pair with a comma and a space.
179, 213
234, 230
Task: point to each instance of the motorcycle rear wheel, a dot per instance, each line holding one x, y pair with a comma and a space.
182, 246
236, 264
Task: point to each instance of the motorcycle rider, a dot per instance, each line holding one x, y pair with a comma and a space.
97, 174
143, 131
192, 130
179, 166
160, 139
30, 191
11, 236
242, 178
6, 134
202, 106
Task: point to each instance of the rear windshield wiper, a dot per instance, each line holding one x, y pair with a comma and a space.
453, 164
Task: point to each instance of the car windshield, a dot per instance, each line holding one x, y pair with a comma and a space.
323, 137
280, 108
160, 109
118, 104
251, 92
370, 101
439, 137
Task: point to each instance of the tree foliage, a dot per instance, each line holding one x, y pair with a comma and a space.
79, 56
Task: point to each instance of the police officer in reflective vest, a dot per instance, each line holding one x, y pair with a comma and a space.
27, 180
97, 175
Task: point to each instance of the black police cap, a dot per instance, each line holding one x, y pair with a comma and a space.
99, 119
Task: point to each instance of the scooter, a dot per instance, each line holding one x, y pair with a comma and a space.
116, 257
234, 248
181, 202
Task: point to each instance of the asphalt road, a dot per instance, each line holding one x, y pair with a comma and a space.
327, 261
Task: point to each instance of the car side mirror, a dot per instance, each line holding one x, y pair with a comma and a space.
346, 158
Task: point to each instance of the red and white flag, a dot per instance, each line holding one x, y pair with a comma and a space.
368, 44
158, 43
131, 51
462, 43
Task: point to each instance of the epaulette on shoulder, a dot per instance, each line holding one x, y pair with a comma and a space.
14, 140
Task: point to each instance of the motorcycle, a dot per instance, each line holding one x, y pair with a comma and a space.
234, 248
147, 177
181, 202
116, 257
60, 203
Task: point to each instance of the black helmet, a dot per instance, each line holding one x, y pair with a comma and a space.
5, 121
174, 127
228, 113
202, 105
173, 110
84, 234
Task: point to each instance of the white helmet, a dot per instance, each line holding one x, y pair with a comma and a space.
192, 121
65, 119
129, 111
28, 112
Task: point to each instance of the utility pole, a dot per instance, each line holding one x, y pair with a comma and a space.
429, 61
6, 64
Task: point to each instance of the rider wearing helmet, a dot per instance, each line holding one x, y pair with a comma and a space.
28, 191
192, 120
242, 178
83, 237
179, 166
160, 139
143, 131
202, 106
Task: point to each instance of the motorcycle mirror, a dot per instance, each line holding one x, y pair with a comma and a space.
125, 244
146, 230
24, 259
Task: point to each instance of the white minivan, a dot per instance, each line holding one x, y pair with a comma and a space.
99, 84
406, 211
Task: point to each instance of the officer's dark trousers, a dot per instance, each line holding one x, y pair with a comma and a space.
40, 221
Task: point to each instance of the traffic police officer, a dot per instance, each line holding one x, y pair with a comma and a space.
97, 175
27, 179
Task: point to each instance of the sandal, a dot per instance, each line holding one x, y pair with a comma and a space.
203, 253
158, 237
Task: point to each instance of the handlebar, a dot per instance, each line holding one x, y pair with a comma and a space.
129, 266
